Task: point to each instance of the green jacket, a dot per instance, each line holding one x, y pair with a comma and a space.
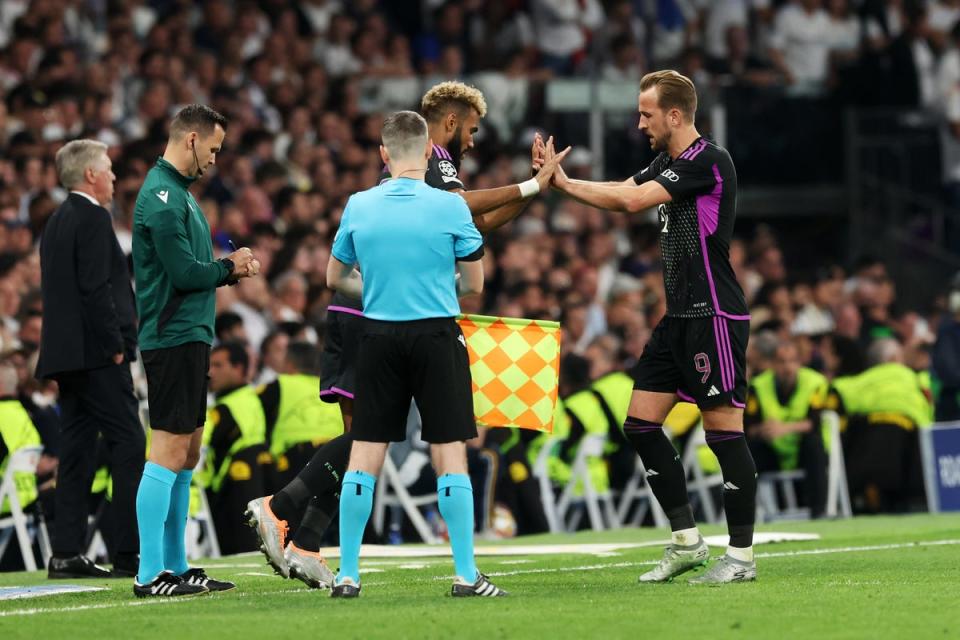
17, 431
173, 263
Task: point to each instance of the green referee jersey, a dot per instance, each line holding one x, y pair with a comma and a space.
173, 263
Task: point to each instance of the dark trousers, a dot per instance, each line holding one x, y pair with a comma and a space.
91, 402
812, 459
247, 479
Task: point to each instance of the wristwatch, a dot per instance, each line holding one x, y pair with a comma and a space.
228, 264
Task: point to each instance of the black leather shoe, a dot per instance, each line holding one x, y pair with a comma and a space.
125, 566
77, 566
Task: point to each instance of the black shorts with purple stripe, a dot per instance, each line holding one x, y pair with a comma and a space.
702, 360
339, 356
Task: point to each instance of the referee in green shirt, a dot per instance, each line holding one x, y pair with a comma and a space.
176, 279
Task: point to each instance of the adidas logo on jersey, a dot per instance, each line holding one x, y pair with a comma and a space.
713, 391
652, 472
729, 486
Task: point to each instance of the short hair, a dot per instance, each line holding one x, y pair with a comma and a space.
226, 321
404, 134
196, 117
451, 95
674, 91
236, 354
75, 157
288, 277
304, 357
882, 351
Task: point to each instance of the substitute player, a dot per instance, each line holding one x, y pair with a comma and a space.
409, 241
453, 112
698, 351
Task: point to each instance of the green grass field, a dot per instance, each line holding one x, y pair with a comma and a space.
891, 577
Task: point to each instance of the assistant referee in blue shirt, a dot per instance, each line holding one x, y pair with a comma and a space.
409, 241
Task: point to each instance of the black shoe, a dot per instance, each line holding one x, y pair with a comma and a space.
481, 588
125, 566
77, 566
199, 577
167, 585
346, 589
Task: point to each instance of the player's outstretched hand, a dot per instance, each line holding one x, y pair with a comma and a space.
551, 164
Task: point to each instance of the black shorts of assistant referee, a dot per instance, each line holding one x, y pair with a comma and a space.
702, 360
338, 361
177, 386
424, 360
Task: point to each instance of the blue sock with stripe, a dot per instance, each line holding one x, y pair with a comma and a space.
356, 503
455, 494
153, 505
175, 527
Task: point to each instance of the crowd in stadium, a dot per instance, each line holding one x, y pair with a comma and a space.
294, 80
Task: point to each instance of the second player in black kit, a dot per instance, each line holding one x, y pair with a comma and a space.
698, 351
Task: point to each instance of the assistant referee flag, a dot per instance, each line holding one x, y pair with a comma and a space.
515, 366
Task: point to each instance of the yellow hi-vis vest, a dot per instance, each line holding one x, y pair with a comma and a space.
302, 416
810, 385
17, 431
244, 405
890, 393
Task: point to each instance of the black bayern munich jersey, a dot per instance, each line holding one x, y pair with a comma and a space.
695, 232
441, 174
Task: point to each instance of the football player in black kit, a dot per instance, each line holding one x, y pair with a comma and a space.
697, 352
453, 112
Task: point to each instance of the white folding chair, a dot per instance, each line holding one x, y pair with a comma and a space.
838, 495
392, 492
23, 460
699, 482
591, 446
202, 522
541, 470
638, 491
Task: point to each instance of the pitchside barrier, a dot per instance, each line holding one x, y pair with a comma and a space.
940, 447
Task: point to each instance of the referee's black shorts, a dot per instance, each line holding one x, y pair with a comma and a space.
425, 360
177, 386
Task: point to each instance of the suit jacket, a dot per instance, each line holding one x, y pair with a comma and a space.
89, 313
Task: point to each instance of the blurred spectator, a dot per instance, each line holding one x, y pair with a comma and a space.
800, 45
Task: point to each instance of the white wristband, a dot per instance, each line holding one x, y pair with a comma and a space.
529, 188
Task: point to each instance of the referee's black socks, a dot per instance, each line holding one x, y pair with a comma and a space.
739, 484
664, 470
322, 476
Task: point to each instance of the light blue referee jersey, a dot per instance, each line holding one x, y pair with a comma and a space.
406, 237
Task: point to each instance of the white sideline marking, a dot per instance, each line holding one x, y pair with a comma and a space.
614, 565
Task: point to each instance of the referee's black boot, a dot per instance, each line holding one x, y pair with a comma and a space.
168, 585
125, 566
78, 566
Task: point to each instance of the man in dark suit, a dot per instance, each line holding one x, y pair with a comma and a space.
89, 337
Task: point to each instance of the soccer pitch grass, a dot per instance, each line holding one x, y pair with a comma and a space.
889, 577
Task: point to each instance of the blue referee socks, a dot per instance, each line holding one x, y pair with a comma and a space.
356, 503
456, 506
175, 527
153, 505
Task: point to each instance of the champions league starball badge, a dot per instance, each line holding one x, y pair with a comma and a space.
447, 169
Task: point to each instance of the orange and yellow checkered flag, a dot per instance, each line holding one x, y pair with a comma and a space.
515, 365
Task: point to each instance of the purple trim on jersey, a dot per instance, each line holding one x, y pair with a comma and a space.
686, 398
738, 405
340, 309
708, 208
440, 151
341, 392
730, 316
695, 151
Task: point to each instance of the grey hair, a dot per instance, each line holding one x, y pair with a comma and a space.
404, 134
287, 277
882, 351
75, 157
766, 343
